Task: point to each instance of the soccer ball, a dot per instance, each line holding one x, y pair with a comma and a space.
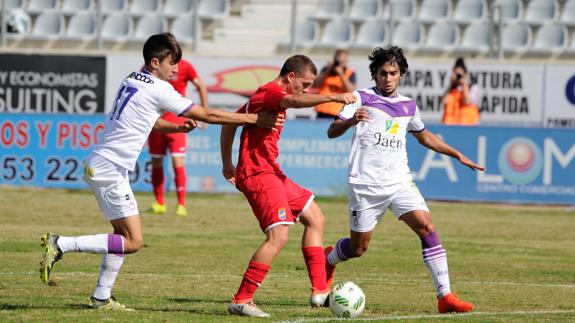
346, 300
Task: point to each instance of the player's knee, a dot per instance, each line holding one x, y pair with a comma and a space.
426, 229
358, 251
313, 219
133, 245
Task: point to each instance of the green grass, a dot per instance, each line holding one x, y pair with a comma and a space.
516, 263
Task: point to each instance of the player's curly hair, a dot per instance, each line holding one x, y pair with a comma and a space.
161, 46
298, 64
392, 55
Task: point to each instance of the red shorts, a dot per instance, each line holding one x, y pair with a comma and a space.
275, 199
159, 142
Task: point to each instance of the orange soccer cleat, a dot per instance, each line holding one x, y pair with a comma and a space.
329, 269
450, 303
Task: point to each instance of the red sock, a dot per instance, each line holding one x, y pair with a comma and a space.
315, 262
253, 277
180, 184
158, 183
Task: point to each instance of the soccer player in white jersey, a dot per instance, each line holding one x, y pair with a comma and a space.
142, 98
379, 177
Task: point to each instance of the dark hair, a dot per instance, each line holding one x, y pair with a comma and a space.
161, 46
392, 55
340, 51
459, 62
298, 64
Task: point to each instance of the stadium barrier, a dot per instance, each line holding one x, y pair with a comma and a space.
535, 165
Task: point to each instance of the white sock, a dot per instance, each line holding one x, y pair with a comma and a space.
111, 265
97, 243
435, 259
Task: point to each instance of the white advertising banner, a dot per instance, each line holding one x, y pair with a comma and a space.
509, 94
559, 96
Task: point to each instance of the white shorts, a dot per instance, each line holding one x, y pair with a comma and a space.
368, 203
111, 186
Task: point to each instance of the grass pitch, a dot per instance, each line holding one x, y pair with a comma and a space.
516, 263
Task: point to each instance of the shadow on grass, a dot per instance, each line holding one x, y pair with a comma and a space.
262, 302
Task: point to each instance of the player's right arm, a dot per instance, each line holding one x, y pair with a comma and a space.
264, 119
227, 136
306, 100
340, 126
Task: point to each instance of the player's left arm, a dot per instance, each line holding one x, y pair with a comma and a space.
202, 90
433, 142
162, 125
227, 136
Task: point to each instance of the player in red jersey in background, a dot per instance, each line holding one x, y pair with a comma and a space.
174, 142
277, 201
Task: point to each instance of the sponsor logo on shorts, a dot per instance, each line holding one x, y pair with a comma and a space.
127, 197
282, 213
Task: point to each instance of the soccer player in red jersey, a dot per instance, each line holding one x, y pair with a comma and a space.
160, 142
277, 201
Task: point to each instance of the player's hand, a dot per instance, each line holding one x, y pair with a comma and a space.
345, 98
229, 173
469, 163
270, 120
188, 125
360, 115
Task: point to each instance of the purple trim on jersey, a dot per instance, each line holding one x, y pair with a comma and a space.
115, 244
186, 110
430, 240
394, 109
341, 117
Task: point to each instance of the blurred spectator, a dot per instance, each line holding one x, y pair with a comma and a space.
17, 22
461, 99
335, 78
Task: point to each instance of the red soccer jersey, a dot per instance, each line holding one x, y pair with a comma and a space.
186, 72
258, 146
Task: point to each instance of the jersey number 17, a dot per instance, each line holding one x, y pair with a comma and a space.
125, 93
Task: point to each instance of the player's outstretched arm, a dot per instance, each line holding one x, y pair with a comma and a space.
162, 125
227, 136
433, 142
306, 100
264, 119
339, 127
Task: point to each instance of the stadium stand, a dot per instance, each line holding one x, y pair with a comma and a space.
73, 6
173, 8
442, 37
48, 26
82, 26
540, 11
551, 39
362, 10
40, 6
144, 7
467, 11
337, 34
372, 33
262, 27
433, 10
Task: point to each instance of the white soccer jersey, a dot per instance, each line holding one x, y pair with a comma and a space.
378, 155
140, 101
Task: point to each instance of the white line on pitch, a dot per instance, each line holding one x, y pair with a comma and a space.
432, 316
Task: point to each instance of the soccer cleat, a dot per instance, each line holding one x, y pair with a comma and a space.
450, 303
157, 208
319, 299
246, 309
51, 255
329, 269
181, 210
109, 304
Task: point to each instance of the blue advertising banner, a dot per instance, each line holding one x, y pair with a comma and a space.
524, 165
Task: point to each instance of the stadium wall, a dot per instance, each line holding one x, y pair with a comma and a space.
50, 116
